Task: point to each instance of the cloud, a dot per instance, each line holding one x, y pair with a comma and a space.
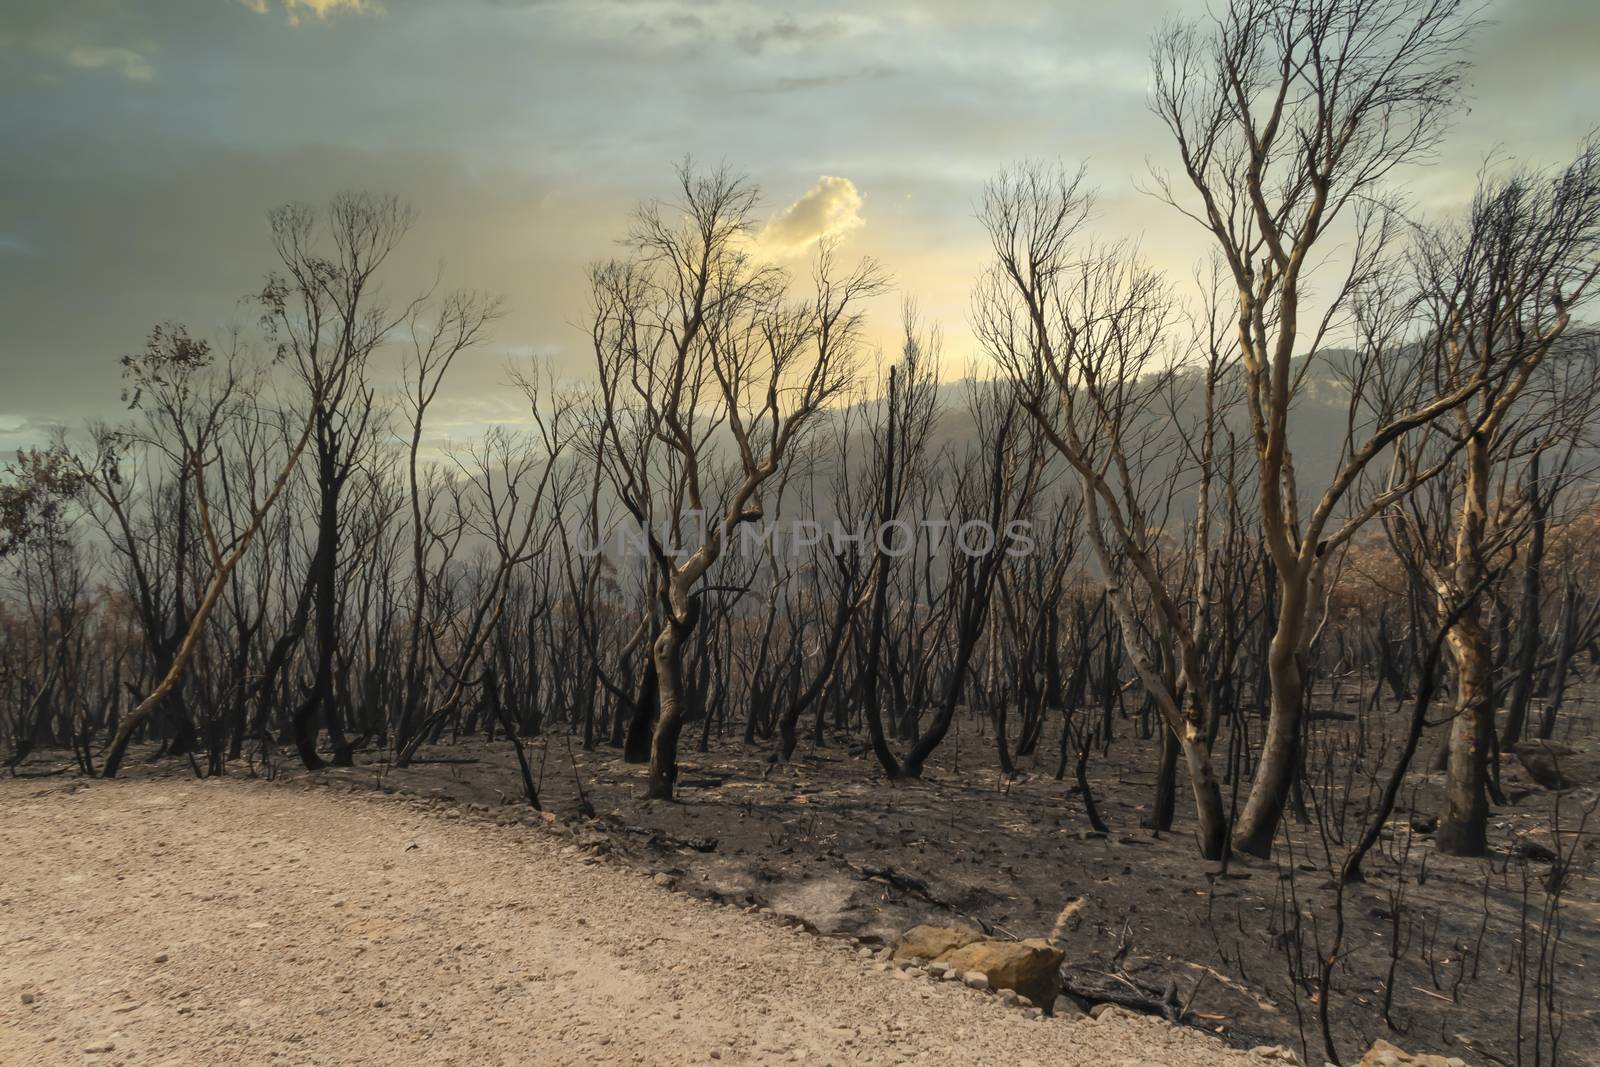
829, 209
40, 39
787, 31
125, 61
321, 9
18, 432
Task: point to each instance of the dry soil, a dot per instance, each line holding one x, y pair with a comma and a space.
229, 921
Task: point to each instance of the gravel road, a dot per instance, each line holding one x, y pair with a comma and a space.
227, 921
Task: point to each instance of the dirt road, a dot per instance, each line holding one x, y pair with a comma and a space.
236, 922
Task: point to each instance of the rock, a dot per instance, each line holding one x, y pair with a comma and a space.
1275, 1052
27, 998
932, 942
100, 1046
952, 975
1546, 762
1534, 850
1032, 1013
1420, 824
1383, 1054
664, 880
1008, 997
938, 970
976, 980
915, 972
1100, 1011
1067, 1008
864, 953
1083, 1004
161, 957
1028, 967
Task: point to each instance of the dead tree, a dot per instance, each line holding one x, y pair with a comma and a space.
1084, 334
995, 490
1500, 291
1288, 117
325, 313
693, 338
437, 339
168, 381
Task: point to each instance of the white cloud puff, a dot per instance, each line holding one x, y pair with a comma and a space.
829, 209
128, 62
321, 9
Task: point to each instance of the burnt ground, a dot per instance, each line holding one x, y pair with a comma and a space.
827, 839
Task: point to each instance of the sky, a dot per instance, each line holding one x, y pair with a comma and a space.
142, 143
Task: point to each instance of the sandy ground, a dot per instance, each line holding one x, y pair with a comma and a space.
230, 921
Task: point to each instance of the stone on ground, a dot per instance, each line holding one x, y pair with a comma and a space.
1383, 1054
932, 942
1547, 762
1027, 967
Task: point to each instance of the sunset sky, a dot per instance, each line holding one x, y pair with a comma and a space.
144, 142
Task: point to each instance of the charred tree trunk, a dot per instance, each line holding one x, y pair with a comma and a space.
1166, 798
667, 655
1275, 771
325, 585
1463, 830
642, 714
1528, 613
880, 598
